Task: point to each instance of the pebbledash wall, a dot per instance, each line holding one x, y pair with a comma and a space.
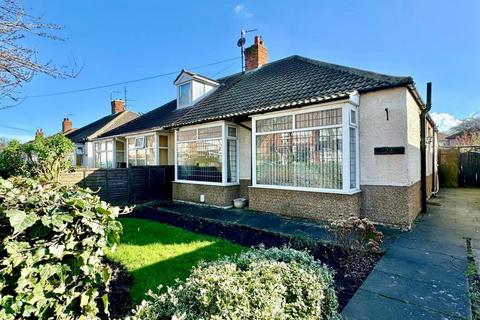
389, 184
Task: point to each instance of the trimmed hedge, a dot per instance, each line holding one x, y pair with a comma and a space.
53, 242
259, 284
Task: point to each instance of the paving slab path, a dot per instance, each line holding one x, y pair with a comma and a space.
423, 273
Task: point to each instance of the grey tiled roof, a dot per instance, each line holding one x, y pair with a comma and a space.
96, 128
284, 83
157, 118
293, 81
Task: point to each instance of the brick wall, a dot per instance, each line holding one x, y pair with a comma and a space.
302, 204
391, 205
214, 195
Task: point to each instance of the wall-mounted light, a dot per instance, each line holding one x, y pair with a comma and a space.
386, 111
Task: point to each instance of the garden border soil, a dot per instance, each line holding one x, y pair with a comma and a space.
350, 271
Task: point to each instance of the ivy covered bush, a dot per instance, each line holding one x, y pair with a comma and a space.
44, 158
258, 284
51, 250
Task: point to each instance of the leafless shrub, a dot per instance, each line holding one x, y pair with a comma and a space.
355, 235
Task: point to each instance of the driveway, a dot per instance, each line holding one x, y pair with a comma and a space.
423, 274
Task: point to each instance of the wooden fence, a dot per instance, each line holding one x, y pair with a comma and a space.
459, 167
125, 185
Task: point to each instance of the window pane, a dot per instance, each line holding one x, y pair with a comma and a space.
184, 94
103, 160
318, 118
131, 143
163, 141
274, 124
163, 157
187, 135
150, 157
200, 160
140, 142
353, 158
131, 157
210, 132
141, 157
103, 146
232, 132
150, 141
109, 163
231, 160
310, 159
353, 117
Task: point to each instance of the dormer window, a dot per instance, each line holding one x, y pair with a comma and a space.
185, 94
192, 87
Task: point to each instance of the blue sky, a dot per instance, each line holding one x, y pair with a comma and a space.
116, 41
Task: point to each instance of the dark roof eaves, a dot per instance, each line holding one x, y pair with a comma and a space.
261, 110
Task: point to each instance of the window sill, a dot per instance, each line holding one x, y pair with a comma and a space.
350, 192
218, 184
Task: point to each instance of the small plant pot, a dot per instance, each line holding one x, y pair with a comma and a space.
240, 203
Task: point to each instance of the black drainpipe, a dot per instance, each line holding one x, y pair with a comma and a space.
423, 155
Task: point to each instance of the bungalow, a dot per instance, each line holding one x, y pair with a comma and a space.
297, 137
102, 157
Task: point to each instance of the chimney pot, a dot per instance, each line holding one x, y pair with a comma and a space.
66, 125
256, 55
118, 105
39, 133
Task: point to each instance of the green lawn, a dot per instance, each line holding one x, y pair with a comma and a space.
155, 253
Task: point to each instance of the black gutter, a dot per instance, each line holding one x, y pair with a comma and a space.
423, 155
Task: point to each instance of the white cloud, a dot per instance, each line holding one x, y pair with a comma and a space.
444, 121
240, 9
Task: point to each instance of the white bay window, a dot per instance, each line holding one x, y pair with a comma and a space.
207, 154
312, 149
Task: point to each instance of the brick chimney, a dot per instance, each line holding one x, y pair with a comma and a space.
118, 105
38, 133
66, 125
256, 55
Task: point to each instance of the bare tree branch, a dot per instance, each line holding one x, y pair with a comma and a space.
19, 63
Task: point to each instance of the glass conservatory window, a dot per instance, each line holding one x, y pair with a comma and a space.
141, 151
104, 154
200, 154
305, 150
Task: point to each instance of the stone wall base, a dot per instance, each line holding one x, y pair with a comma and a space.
303, 204
221, 196
391, 205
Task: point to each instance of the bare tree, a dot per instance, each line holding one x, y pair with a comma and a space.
18, 62
469, 125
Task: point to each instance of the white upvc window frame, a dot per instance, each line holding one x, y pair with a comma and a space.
114, 156
346, 106
224, 125
144, 137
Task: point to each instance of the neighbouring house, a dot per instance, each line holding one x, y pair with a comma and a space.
85, 155
296, 136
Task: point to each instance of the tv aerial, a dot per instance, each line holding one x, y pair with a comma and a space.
241, 43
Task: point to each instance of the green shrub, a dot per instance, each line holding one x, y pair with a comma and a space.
259, 284
43, 158
49, 157
12, 160
53, 242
